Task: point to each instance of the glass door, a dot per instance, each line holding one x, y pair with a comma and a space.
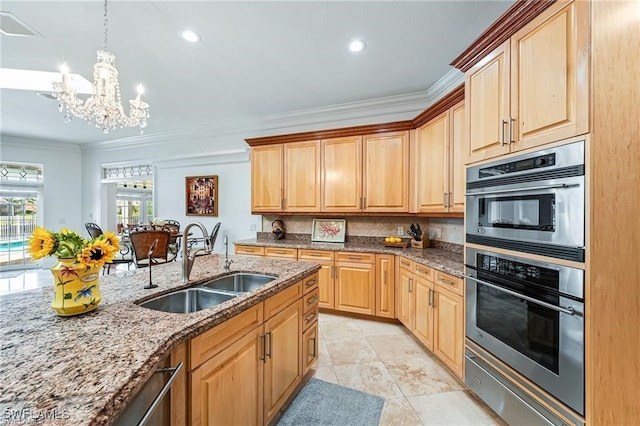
18, 219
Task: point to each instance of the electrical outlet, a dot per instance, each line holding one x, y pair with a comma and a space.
438, 232
400, 231
252, 227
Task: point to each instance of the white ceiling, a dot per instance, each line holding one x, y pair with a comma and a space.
255, 58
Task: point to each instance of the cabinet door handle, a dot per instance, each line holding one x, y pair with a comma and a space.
311, 283
430, 297
433, 298
310, 317
444, 281
364, 203
312, 300
315, 351
263, 338
502, 136
268, 354
512, 123
444, 200
410, 281
360, 203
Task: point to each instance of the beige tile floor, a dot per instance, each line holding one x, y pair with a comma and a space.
384, 359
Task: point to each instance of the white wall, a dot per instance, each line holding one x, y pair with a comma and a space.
62, 177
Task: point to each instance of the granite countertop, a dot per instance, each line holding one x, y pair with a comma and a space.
82, 370
443, 260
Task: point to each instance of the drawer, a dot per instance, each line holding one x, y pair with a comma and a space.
252, 250
449, 282
423, 271
289, 253
346, 257
310, 301
405, 264
310, 318
310, 283
304, 254
281, 300
209, 343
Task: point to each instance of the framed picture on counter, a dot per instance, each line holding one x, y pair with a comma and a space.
328, 230
202, 195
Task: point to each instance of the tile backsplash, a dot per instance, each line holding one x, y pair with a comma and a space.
451, 230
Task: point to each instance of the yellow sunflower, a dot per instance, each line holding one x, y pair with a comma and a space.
111, 239
96, 254
41, 243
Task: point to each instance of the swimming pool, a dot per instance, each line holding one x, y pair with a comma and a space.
13, 245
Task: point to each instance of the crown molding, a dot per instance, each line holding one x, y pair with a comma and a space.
447, 83
203, 159
41, 144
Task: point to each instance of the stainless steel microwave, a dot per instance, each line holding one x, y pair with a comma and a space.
533, 203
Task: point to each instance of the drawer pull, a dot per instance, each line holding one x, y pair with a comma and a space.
312, 300
310, 317
315, 255
279, 251
442, 280
354, 257
311, 282
422, 271
404, 263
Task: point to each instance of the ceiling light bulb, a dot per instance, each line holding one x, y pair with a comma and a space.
64, 69
140, 89
191, 36
356, 46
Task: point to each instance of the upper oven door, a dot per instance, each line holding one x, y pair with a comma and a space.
550, 212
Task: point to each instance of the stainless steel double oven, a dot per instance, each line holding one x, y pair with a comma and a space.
524, 312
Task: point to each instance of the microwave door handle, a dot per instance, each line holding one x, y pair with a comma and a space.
568, 310
531, 188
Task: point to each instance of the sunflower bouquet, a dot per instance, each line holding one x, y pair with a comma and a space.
67, 244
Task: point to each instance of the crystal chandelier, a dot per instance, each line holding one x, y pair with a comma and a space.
104, 107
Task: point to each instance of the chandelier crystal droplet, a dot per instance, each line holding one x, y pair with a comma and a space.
104, 107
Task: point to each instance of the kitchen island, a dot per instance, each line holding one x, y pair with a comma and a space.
83, 370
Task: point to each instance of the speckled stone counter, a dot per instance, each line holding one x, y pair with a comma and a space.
83, 370
445, 261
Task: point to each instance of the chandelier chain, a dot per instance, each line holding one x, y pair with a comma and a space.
106, 28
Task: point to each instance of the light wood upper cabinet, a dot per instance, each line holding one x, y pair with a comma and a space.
457, 172
534, 88
266, 178
386, 172
342, 174
302, 177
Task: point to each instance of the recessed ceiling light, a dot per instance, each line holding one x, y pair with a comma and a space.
191, 36
357, 46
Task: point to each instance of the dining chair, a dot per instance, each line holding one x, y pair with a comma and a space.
93, 229
142, 237
174, 227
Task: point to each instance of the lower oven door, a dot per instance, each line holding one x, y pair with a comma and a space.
542, 341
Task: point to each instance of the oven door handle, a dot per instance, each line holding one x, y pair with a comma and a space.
569, 310
531, 188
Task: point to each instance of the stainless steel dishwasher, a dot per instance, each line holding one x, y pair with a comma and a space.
147, 407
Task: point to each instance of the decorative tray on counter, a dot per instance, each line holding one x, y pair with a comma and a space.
402, 244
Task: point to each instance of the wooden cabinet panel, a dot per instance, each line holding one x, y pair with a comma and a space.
448, 313
250, 250
405, 300
302, 176
283, 358
487, 105
386, 172
549, 76
227, 389
432, 141
423, 322
309, 347
385, 285
342, 174
286, 253
266, 178
325, 274
457, 172
350, 257
355, 288
449, 282
278, 301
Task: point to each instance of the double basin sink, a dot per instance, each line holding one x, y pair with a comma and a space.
207, 294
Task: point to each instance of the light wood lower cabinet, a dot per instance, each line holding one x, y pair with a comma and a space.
385, 288
448, 324
325, 274
355, 283
404, 283
423, 322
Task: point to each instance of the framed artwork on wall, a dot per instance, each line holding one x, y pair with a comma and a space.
201, 195
328, 230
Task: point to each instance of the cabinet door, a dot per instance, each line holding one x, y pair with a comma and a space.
487, 105
309, 348
355, 286
385, 285
423, 319
342, 174
302, 176
457, 173
405, 298
266, 178
449, 328
550, 76
386, 172
283, 363
227, 389
325, 275
432, 141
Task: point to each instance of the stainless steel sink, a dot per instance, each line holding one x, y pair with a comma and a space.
187, 300
239, 283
